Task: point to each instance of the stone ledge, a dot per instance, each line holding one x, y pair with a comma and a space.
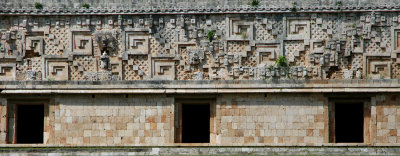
207, 151
199, 86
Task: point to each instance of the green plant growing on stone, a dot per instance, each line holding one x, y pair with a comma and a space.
281, 62
271, 67
338, 3
85, 6
293, 8
38, 5
210, 35
254, 3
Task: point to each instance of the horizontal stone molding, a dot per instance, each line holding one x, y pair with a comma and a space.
199, 86
196, 10
210, 150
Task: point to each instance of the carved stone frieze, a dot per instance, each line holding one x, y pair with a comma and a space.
359, 45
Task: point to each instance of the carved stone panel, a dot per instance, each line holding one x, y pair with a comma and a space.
396, 44
163, 69
378, 68
396, 39
136, 41
81, 43
7, 71
240, 29
177, 47
56, 69
34, 44
267, 53
298, 28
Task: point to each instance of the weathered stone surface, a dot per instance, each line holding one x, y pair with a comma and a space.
284, 119
312, 45
207, 151
114, 74
201, 5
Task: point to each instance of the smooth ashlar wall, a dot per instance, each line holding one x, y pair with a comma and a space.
239, 119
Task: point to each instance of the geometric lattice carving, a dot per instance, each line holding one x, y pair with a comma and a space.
244, 46
396, 39
81, 65
379, 68
267, 53
240, 29
317, 46
136, 41
7, 71
34, 43
163, 69
396, 44
298, 28
81, 43
56, 69
136, 68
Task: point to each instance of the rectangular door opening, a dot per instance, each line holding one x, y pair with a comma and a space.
30, 124
349, 122
195, 123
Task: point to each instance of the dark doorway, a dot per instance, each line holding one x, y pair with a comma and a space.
30, 124
195, 123
349, 122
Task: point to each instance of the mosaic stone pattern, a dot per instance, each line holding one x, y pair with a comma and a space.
361, 45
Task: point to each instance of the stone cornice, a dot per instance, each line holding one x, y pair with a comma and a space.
194, 10
201, 86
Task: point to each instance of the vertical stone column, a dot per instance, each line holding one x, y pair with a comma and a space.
49, 122
326, 118
367, 122
373, 121
11, 118
3, 121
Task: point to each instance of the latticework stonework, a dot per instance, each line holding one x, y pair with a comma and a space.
194, 47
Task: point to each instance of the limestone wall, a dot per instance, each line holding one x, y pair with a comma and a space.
113, 120
285, 119
387, 119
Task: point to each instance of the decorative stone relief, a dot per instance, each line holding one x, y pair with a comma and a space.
267, 53
7, 71
298, 28
56, 69
379, 68
34, 44
163, 69
240, 29
136, 41
81, 43
362, 45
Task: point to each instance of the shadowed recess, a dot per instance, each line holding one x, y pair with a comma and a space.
349, 123
30, 122
195, 123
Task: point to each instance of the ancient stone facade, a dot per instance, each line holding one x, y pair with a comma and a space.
269, 75
239, 119
357, 45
